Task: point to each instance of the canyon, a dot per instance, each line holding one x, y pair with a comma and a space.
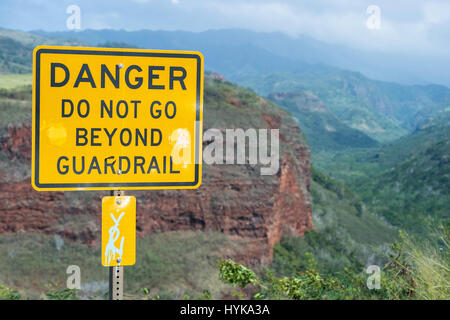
234, 199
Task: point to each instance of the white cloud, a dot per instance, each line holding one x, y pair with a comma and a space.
406, 25
345, 24
106, 20
436, 12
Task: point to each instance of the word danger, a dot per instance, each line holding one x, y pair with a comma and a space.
133, 76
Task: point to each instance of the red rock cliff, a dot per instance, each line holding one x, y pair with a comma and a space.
234, 199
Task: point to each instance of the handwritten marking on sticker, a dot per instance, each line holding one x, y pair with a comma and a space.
114, 233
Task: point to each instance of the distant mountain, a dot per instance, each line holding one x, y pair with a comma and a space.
15, 57
323, 130
274, 62
407, 69
382, 110
16, 50
271, 63
229, 52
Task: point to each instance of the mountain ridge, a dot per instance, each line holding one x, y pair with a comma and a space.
374, 64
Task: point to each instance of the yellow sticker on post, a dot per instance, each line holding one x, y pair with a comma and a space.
108, 119
118, 231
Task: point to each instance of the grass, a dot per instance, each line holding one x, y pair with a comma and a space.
33, 265
415, 270
11, 81
169, 265
22, 169
176, 264
15, 105
432, 268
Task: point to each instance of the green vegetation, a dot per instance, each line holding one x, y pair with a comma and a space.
177, 264
16, 50
350, 164
323, 130
8, 294
15, 105
62, 294
414, 194
346, 233
340, 92
381, 162
414, 271
406, 181
11, 81
171, 265
33, 265
382, 110
15, 57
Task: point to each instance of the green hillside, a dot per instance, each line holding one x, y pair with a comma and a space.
322, 129
10, 81
337, 92
384, 111
347, 234
406, 181
350, 164
15, 57
16, 50
15, 102
415, 192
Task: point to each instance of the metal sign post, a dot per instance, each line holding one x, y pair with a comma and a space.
116, 272
116, 283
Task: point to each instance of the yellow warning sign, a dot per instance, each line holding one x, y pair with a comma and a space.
118, 231
116, 119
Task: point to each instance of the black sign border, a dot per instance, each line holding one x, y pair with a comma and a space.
113, 53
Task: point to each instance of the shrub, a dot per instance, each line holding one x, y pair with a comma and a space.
9, 294
416, 270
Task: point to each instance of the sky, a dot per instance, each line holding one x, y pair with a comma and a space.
400, 26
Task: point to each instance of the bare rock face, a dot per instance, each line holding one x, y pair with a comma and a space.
15, 141
234, 199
